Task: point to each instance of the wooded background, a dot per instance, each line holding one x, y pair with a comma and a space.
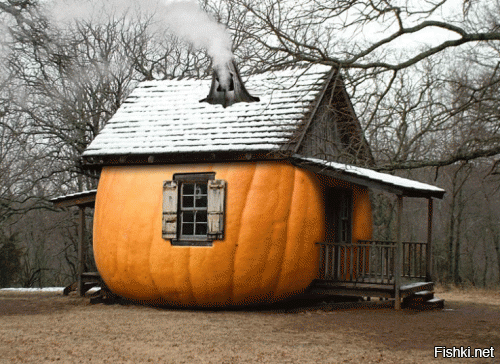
423, 77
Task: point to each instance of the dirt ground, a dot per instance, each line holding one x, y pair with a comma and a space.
49, 327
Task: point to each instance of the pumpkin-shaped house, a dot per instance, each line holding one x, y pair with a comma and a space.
227, 203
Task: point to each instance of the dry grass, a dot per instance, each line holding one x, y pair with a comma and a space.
470, 295
45, 328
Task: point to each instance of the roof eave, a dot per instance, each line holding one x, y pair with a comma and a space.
97, 161
365, 180
80, 199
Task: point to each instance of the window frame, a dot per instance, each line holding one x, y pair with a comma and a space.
190, 240
344, 216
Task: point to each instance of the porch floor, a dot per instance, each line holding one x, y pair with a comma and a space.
420, 293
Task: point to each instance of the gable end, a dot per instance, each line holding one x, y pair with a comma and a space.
333, 131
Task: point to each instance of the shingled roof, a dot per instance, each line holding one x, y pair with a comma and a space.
167, 117
297, 118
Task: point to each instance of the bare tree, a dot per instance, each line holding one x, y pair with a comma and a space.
319, 31
61, 86
365, 38
73, 79
433, 105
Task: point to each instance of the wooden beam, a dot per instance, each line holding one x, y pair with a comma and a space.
398, 264
84, 201
428, 253
81, 248
96, 162
352, 292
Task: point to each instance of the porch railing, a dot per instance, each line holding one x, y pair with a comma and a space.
371, 261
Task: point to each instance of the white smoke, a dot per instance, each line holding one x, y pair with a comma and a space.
184, 19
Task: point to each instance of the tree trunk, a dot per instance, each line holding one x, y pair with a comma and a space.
450, 241
497, 250
456, 266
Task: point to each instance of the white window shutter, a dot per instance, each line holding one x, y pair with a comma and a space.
215, 210
169, 221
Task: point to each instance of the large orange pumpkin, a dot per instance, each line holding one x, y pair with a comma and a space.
274, 216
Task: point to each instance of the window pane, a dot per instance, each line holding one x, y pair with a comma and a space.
201, 201
188, 216
188, 229
188, 188
344, 230
201, 229
201, 189
201, 216
188, 201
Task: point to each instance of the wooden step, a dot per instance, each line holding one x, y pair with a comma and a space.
422, 296
419, 301
412, 288
104, 295
436, 302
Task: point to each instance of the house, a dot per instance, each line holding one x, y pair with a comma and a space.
217, 203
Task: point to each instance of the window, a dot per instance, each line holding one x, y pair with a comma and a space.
193, 209
344, 217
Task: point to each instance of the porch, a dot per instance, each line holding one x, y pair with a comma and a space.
395, 270
368, 269
85, 280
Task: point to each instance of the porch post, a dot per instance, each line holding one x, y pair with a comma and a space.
81, 247
428, 253
399, 256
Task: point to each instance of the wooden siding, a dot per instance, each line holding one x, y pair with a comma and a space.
216, 200
334, 133
169, 223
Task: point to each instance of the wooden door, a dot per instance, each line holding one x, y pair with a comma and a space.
338, 231
338, 215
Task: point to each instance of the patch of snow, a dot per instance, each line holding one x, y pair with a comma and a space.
93, 290
44, 289
373, 175
82, 193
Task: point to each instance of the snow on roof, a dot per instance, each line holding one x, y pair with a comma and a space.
76, 194
167, 117
370, 177
84, 198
